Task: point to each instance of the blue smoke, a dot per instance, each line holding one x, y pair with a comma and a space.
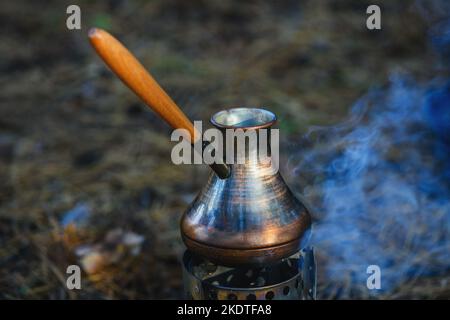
381, 185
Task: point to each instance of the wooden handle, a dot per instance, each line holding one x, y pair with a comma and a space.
134, 75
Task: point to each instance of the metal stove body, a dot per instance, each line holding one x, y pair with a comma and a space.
292, 278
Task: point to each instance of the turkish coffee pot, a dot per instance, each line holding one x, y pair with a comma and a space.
245, 232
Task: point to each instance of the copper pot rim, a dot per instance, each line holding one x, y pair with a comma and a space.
252, 256
281, 244
272, 119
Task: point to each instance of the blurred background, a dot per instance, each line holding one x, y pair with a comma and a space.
85, 170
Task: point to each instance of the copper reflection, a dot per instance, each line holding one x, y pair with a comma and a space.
252, 217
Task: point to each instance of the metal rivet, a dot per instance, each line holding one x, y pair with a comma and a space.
232, 296
270, 295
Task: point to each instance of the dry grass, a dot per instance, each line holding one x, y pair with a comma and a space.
71, 133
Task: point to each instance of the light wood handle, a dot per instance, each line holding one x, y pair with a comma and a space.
134, 75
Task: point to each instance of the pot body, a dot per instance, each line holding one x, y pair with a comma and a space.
252, 217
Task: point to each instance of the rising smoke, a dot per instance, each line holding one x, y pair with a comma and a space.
379, 182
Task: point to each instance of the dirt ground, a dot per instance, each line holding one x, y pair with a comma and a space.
73, 136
